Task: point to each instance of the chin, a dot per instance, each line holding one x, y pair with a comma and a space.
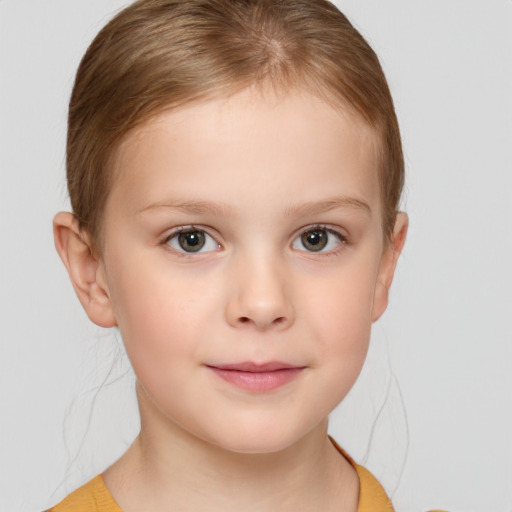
257, 438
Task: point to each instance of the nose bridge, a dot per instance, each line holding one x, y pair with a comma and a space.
261, 296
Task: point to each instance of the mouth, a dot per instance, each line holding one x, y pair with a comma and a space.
254, 377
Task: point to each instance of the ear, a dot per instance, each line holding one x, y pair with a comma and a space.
85, 269
388, 264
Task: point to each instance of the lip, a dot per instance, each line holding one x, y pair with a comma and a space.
256, 377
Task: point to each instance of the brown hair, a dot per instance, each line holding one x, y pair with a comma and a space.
162, 54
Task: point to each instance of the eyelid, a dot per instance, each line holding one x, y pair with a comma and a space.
184, 229
331, 230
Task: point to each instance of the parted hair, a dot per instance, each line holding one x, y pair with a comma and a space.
158, 55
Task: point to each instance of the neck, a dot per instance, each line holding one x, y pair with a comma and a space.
168, 468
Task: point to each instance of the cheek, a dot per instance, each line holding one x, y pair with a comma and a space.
344, 347
340, 313
159, 319
346, 342
341, 298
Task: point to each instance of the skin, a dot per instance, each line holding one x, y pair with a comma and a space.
254, 172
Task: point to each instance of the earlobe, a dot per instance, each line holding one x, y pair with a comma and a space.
388, 265
84, 268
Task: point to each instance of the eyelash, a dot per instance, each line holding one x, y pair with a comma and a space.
184, 229
343, 240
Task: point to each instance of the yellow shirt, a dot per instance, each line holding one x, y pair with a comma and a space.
94, 496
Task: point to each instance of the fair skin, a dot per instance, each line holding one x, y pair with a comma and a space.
281, 261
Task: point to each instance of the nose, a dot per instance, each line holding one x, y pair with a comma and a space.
260, 297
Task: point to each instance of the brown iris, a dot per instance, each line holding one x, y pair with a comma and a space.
191, 241
315, 240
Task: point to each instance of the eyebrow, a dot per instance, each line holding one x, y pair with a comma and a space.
316, 207
301, 209
190, 207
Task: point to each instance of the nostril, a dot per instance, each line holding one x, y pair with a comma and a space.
262, 322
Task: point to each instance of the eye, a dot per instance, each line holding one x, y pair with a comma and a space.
318, 239
192, 240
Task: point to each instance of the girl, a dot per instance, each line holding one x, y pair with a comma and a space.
235, 169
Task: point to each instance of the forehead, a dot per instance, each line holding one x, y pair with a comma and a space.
251, 143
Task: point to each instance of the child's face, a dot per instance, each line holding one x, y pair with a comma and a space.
246, 231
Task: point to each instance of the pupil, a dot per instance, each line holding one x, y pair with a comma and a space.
315, 240
191, 241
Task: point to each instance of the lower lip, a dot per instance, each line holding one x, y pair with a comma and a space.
258, 381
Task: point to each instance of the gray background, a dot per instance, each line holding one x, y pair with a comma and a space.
437, 387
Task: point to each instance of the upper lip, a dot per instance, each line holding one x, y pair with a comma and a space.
249, 366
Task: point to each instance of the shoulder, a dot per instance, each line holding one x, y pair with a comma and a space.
91, 497
372, 497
